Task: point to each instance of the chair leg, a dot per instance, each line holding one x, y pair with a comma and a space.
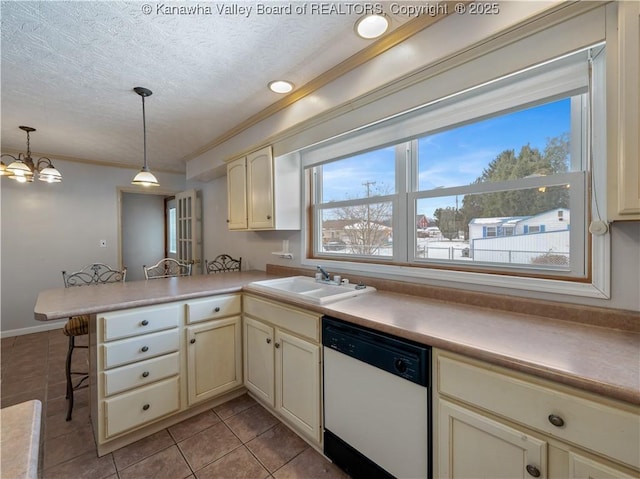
68, 373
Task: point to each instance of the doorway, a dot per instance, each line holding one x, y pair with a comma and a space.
156, 224
142, 231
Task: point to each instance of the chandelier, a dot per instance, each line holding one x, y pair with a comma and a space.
23, 169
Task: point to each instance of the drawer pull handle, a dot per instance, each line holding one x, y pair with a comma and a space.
557, 421
217, 309
193, 341
145, 349
533, 470
277, 345
145, 374
268, 340
146, 407
145, 323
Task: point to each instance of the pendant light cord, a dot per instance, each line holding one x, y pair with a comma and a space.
144, 133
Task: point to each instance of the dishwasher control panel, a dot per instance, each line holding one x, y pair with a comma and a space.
404, 358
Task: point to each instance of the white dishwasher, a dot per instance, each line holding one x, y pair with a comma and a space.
377, 402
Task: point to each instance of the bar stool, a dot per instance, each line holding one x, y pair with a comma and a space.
222, 263
96, 273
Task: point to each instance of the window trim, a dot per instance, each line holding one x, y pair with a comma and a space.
597, 281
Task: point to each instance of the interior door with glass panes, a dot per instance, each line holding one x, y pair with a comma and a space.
189, 229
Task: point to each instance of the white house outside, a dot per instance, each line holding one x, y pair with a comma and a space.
542, 238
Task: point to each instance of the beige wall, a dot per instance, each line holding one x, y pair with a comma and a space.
49, 228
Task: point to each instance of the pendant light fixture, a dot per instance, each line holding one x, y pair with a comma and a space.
144, 177
23, 168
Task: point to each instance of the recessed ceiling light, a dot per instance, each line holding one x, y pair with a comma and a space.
372, 26
281, 86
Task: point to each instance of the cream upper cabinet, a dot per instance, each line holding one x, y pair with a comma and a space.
264, 192
237, 194
260, 202
623, 92
282, 362
528, 426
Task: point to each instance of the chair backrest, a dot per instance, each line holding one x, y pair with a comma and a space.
223, 263
96, 273
167, 268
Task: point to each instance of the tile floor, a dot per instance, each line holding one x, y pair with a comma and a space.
238, 439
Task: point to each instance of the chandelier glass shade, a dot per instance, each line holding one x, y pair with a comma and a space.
24, 169
144, 176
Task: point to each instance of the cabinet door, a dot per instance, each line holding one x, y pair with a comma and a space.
237, 194
258, 359
581, 467
471, 445
214, 359
298, 383
624, 167
260, 189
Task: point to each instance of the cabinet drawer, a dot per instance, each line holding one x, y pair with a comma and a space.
134, 322
139, 348
140, 406
604, 429
299, 322
213, 308
140, 373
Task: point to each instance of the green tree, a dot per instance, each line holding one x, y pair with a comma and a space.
447, 220
509, 166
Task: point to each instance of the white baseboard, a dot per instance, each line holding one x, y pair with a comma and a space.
33, 329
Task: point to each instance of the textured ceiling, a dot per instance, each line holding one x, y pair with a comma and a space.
69, 67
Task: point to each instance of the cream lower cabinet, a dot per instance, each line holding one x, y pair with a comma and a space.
154, 366
214, 358
282, 362
473, 445
137, 370
495, 423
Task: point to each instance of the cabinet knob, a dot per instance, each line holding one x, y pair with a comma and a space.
277, 345
228, 221
146, 407
145, 323
268, 217
268, 340
145, 349
557, 421
145, 374
217, 309
533, 471
192, 341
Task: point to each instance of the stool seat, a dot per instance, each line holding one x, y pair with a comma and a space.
92, 275
77, 326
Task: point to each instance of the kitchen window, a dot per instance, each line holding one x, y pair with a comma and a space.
494, 179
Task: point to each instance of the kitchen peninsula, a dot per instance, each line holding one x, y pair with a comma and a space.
576, 359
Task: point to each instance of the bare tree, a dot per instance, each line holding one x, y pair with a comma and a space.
367, 225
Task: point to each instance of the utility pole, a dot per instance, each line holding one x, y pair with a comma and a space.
367, 237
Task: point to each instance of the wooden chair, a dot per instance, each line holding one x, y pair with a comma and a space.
167, 268
96, 273
222, 263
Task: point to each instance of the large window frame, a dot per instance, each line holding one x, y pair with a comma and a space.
555, 78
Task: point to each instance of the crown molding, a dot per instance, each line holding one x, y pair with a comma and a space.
385, 43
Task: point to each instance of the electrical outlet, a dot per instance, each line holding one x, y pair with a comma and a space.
103, 243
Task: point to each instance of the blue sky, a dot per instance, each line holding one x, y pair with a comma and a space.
453, 157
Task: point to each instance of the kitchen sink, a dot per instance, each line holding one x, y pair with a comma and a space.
307, 289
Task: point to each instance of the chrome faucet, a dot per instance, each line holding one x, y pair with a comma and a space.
325, 275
